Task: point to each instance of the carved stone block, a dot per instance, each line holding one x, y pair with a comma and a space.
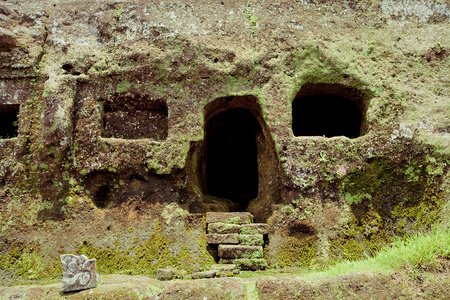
79, 273
222, 239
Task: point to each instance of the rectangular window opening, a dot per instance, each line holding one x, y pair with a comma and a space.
9, 120
127, 121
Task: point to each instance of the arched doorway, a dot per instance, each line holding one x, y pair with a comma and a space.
236, 166
231, 156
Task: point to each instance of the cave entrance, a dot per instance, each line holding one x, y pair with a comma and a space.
231, 156
328, 110
236, 166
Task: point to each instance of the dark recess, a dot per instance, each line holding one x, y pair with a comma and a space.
231, 165
102, 197
9, 120
67, 67
326, 115
129, 118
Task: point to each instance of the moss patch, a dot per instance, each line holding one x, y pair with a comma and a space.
26, 262
147, 258
297, 251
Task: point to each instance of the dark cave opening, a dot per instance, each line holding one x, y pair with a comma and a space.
231, 156
326, 115
101, 198
9, 120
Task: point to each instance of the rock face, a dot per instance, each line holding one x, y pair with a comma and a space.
79, 273
123, 123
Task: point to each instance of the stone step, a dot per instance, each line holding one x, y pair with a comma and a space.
229, 217
205, 274
246, 263
224, 228
256, 228
217, 239
240, 251
251, 239
224, 267
243, 239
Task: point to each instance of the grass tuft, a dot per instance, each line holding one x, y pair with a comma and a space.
421, 252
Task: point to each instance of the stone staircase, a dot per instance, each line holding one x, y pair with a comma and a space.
239, 241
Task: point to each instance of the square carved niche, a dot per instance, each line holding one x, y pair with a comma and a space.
9, 120
135, 118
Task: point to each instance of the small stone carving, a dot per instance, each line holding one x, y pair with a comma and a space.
79, 273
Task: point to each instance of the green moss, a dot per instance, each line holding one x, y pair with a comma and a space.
248, 230
361, 185
146, 258
234, 220
297, 252
27, 263
123, 86
250, 240
398, 208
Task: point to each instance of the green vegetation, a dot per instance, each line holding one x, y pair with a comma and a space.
145, 259
119, 11
123, 86
420, 252
297, 252
252, 19
26, 262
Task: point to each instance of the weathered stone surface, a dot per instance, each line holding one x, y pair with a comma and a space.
226, 273
250, 264
115, 286
356, 286
222, 239
205, 274
215, 288
15, 91
7, 38
79, 273
251, 239
223, 228
253, 264
165, 274
256, 228
168, 273
224, 267
238, 251
229, 217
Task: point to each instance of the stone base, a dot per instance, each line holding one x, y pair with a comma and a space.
246, 263
239, 251
229, 217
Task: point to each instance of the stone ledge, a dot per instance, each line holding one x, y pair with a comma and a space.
217, 239
239, 251
256, 228
229, 217
251, 239
224, 228
247, 263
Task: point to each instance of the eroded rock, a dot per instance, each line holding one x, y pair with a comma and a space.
168, 273
79, 273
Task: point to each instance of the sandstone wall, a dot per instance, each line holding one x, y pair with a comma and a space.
86, 74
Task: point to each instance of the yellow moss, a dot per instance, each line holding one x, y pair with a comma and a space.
146, 258
297, 252
26, 262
